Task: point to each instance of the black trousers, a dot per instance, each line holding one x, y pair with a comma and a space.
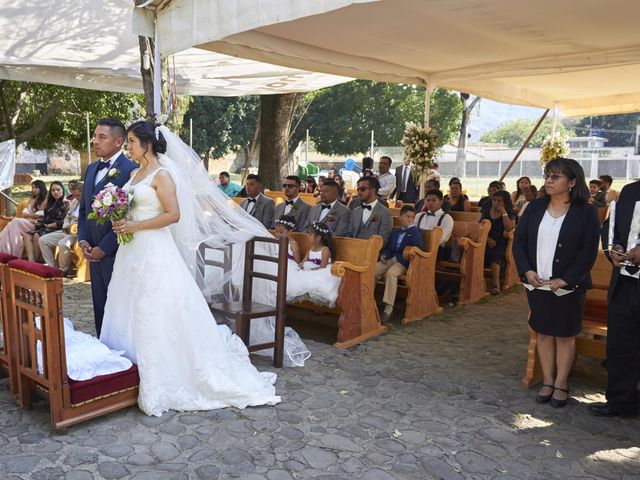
623, 346
100, 277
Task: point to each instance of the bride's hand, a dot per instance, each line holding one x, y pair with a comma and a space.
125, 226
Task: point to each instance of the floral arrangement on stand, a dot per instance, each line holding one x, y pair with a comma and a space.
420, 145
554, 147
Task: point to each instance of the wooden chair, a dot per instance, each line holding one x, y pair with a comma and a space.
8, 347
592, 341
245, 310
603, 213
36, 294
225, 265
420, 280
472, 238
355, 262
466, 216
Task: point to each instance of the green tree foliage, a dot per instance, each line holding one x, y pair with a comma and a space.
618, 129
46, 115
340, 118
515, 132
221, 124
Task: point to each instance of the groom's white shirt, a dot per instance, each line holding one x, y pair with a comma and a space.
101, 174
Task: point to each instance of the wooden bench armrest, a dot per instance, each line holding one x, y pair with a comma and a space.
339, 268
410, 253
466, 242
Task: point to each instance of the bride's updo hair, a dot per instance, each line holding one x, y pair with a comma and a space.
145, 131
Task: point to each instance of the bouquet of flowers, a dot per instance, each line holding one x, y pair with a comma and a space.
112, 204
554, 147
420, 145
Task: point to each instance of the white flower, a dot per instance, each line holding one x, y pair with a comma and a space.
113, 172
107, 199
96, 204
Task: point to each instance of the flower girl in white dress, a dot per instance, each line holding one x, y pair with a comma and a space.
313, 279
285, 225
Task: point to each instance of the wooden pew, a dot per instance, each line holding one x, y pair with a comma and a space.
8, 348
36, 291
466, 216
592, 340
472, 238
355, 262
420, 280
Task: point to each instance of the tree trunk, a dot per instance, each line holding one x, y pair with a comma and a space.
461, 154
276, 112
147, 76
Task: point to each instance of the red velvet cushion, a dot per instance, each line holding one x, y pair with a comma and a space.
6, 257
37, 269
84, 390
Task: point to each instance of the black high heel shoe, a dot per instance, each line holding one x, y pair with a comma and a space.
545, 398
555, 403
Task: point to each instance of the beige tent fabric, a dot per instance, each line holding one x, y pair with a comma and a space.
90, 44
583, 55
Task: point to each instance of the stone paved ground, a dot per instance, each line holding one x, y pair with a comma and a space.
437, 399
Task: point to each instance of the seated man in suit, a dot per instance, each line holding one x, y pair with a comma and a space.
391, 264
330, 211
257, 204
66, 238
371, 217
293, 205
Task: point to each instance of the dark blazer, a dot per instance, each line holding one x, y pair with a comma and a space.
577, 245
413, 191
380, 223
103, 235
300, 212
337, 219
413, 237
625, 206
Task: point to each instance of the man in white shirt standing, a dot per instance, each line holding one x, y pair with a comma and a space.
434, 216
386, 178
65, 238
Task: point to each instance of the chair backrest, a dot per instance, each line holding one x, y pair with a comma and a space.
8, 347
238, 200
20, 207
353, 250
280, 259
202, 262
466, 216
432, 239
36, 293
472, 230
603, 212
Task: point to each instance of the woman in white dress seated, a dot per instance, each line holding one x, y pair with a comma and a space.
155, 311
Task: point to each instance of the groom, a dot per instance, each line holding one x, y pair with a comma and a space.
98, 242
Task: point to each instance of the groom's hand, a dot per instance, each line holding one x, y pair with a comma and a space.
86, 249
96, 254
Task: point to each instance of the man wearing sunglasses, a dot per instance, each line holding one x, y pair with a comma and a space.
370, 217
330, 211
293, 205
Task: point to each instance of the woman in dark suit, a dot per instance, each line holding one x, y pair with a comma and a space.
555, 247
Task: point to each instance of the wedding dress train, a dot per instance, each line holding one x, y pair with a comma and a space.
156, 313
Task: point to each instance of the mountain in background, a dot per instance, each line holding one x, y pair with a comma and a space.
488, 115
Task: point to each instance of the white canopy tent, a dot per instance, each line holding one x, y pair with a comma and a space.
90, 44
583, 55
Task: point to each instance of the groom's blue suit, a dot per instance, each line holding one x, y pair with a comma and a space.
101, 235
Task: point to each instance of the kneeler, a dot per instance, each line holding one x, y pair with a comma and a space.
245, 310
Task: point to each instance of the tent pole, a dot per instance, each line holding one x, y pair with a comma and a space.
191, 132
524, 145
157, 74
427, 114
554, 121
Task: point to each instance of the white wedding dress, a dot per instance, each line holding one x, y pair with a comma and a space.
156, 313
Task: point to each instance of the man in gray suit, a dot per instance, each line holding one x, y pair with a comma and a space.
330, 211
371, 217
257, 204
294, 205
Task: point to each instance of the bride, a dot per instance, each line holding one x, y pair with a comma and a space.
155, 310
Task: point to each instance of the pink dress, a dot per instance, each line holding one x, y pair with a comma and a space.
11, 237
